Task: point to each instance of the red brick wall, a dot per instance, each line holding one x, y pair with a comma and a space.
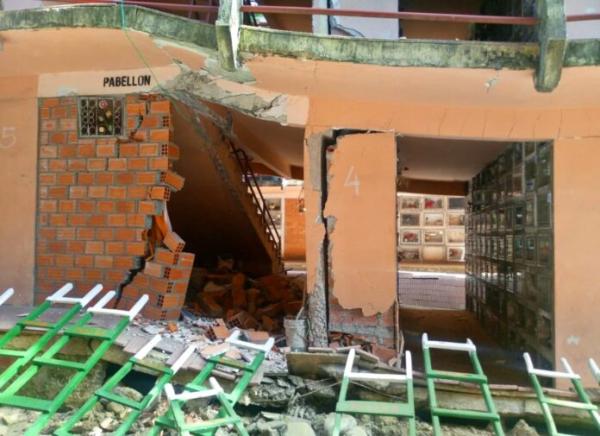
294, 243
97, 196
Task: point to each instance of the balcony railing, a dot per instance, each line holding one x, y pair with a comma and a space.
208, 11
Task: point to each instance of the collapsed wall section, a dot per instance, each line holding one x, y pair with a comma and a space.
99, 195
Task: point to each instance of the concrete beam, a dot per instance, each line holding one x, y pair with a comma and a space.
151, 21
227, 29
552, 36
399, 53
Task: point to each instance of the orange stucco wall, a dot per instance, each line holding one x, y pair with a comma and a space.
576, 239
18, 181
362, 200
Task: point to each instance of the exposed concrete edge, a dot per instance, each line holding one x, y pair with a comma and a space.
403, 52
582, 52
151, 21
552, 35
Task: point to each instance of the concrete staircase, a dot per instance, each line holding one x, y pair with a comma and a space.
221, 208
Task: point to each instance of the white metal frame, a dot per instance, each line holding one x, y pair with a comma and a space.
6, 295
131, 313
468, 346
59, 296
370, 376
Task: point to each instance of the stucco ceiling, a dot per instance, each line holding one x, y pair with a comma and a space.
445, 159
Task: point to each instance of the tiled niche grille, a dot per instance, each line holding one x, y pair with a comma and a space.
100, 116
509, 254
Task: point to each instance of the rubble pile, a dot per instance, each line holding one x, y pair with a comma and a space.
254, 305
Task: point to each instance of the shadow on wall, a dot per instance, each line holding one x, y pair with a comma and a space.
207, 212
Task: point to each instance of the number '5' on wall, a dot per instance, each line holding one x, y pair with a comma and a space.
8, 137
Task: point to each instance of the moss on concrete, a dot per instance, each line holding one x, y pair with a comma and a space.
151, 21
404, 52
582, 52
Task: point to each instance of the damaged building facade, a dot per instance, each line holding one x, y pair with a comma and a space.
122, 125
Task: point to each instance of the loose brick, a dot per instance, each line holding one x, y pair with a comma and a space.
117, 220
149, 150
77, 219
48, 179
154, 269
147, 178
66, 206
186, 259
106, 207
57, 165
103, 262
115, 248
105, 178
160, 107
159, 163
165, 257
84, 261
76, 247
117, 192
58, 112
170, 151
125, 178
125, 235
85, 178
97, 164
86, 150
58, 138
86, 206
97, 191
106, 150
104, 234
48, 151
160, 193
94, 247
85, 234
125, 206
129, 149
48, 206
67, 124
151, 207
66, 179
173, 180
65, 234
137, 192
174, 242
137, 164
117, 164
77, 164
136, 248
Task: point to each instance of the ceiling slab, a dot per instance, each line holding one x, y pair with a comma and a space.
445, 159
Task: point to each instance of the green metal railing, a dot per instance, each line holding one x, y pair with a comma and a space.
174, 419
546, 403
478, 377
80, 329
33, 321
106, 392
396, 409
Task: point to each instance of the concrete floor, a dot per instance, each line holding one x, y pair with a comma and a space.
501, 366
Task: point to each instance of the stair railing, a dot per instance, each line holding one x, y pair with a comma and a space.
249, 178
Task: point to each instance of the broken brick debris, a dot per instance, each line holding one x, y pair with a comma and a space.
243, 302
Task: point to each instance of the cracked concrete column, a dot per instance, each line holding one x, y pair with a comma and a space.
316, 259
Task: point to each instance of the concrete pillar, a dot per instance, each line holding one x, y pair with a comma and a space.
320, 23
